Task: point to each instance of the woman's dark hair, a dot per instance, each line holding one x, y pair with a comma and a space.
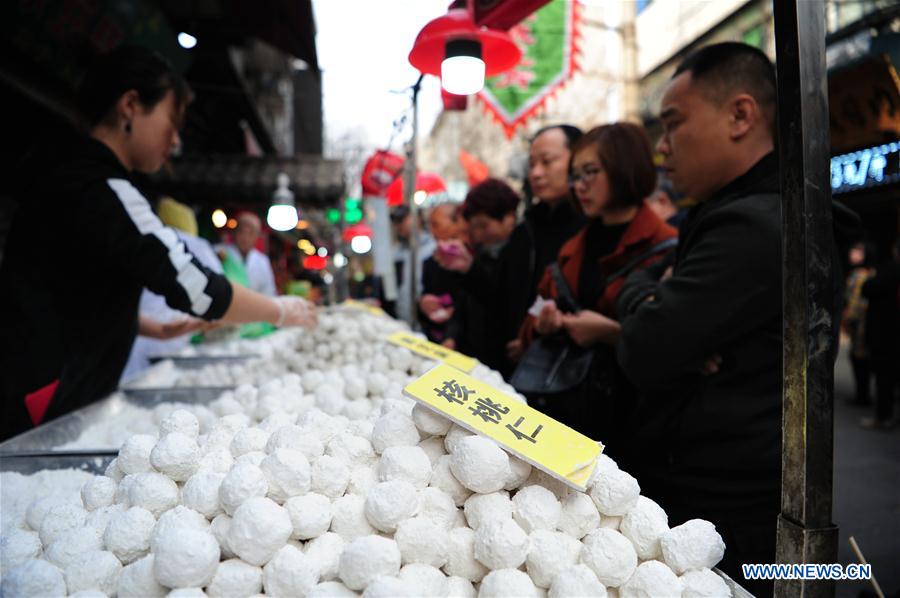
571, 132
125, 68
491, 197
625, 154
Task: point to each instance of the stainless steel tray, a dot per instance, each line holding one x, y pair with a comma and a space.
70, 426
195, 362
28, 463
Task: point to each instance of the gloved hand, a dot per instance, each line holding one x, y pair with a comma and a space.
295, 311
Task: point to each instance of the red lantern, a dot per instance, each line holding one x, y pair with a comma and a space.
453, 101
498, 50
425, 181
314, 262
357, 230
379, 172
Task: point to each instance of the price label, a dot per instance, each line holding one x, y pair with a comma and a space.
375, 311
547, 444
433, 351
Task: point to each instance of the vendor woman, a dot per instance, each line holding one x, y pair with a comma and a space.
84, 242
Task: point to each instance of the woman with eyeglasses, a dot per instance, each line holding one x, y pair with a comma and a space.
84, 242
611, 172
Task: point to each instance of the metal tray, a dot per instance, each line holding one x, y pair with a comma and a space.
69, 427
195, 362
27, 464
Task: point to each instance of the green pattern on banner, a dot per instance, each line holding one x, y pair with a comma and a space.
548, 42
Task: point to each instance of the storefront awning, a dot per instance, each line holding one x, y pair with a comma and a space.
218, 179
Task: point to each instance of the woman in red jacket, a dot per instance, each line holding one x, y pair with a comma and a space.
611, 173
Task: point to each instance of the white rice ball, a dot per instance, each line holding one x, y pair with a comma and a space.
389, 503
454, 435
249, 440
290, 573
243, 482
501, 544
442, 478
152, 491
429, 421
234, 577
128, 534
287, 473
519, 471
174, 520
352, 449
60, 519
137, 580
610, 556
258, 530
310, 515
422, 541
481, 508
457, 587
644, 525
96, 570
176, 455
394, 428
436, 505
329, 476
507, 583
325, 551
615, 492
99, 491
694, 544
576, 580
549, 553
331, 589
182, 422
480, 464
134, 454
651, 579
579, 515
201, 493
535, 507
16, 547
424, 579
367, 558
349, 518
185, 558
362, 479
33, 577
71, 545
294, 437
704, 583
408, 463
461, 561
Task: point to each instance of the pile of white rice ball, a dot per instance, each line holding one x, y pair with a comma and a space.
326, 481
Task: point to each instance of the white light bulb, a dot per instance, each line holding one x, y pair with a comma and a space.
282, 217
340, 260
361, 244
462, 75
186, 40
322, 252
219, 219
419, 197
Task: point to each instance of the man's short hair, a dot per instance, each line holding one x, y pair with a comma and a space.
728, 68
491, 197
571, 132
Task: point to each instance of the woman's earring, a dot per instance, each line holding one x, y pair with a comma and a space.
128, 126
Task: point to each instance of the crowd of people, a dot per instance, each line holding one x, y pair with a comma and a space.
654, 329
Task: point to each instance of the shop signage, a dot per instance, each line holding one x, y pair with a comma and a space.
870, 167
547, 444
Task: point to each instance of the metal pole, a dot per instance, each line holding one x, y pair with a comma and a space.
409, 187
806, 533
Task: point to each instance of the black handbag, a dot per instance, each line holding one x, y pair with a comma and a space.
554, 364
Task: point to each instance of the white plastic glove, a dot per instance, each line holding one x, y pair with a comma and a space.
295, 311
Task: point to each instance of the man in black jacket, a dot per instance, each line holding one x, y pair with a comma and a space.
704, 344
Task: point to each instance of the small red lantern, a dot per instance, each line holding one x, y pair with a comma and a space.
314, 262
425, 181
357, 230
497, 49
379, 172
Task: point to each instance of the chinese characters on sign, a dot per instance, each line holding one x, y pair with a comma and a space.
523, 431
434, 351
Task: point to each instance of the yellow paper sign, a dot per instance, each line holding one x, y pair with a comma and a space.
540, 440
433, 351
376, 311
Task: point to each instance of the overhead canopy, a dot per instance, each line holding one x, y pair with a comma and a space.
220, 179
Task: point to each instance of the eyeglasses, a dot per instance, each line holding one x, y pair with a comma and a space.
586, 176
